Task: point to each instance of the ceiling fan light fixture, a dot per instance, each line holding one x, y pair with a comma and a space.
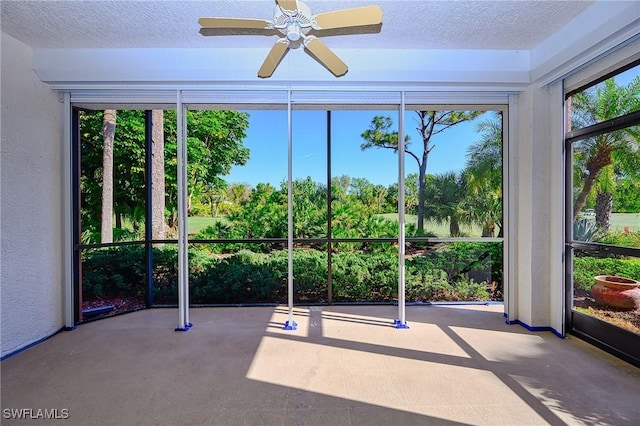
293, 31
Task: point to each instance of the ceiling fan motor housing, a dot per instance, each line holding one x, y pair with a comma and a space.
294, 24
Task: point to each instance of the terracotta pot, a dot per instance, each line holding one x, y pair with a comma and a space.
617, 292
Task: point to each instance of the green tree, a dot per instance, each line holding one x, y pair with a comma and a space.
380, 192
238, 193
309, 208
128, 169
430, 123
215, 198
214, 145
365, 192
261, 214
483, 177
621, 147
340, 187
627, 195
445, 192
604, 187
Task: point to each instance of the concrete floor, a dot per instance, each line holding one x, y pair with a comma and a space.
345, 365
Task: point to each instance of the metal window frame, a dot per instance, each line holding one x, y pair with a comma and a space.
608, 337
183, 100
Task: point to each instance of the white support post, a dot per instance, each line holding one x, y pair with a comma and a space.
67, 218
290, 324
185, 215
183, 247
509, 188
401, 322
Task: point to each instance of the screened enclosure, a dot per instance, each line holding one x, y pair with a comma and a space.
301, 203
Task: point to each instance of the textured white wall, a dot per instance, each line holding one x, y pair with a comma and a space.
522, 200
547, 185
31, 191
550, 192
539, 207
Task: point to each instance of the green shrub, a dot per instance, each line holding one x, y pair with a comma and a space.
244, 277
165, 272
427, 285
361, 276
624, 239
586, 268
454, 272
222, 230
165, 275
254, 277
433, 285
113, 272
586, 230
351, 277
459, 260
471, 291
309, 274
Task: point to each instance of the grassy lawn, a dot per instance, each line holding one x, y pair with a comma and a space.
620, 220
441, 230
197, 223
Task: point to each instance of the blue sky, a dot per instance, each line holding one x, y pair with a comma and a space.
625, 78
267, 141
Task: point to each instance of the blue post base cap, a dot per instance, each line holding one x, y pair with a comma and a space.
400, 324
290, 326
185, 328
189, 325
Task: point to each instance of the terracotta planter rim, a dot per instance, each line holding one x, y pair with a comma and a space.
615, 280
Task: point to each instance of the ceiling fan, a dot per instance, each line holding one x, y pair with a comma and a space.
293, 20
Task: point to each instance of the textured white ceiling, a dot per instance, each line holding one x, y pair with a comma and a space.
417, 24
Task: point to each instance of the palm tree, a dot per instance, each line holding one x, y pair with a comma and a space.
483, 177
238, 193
445, 192
598, 104
381, 194
429, 124
604, 186
482, 205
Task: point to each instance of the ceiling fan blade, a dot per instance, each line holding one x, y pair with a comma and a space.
235, 23
326, 57
356, 17
288, 4
273, 59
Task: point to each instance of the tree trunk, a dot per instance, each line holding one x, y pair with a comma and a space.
421, 199
488, 229
157, 176
427, 123
582, 197
597, 162
172, 221
604, 204
454, 228
108, 135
